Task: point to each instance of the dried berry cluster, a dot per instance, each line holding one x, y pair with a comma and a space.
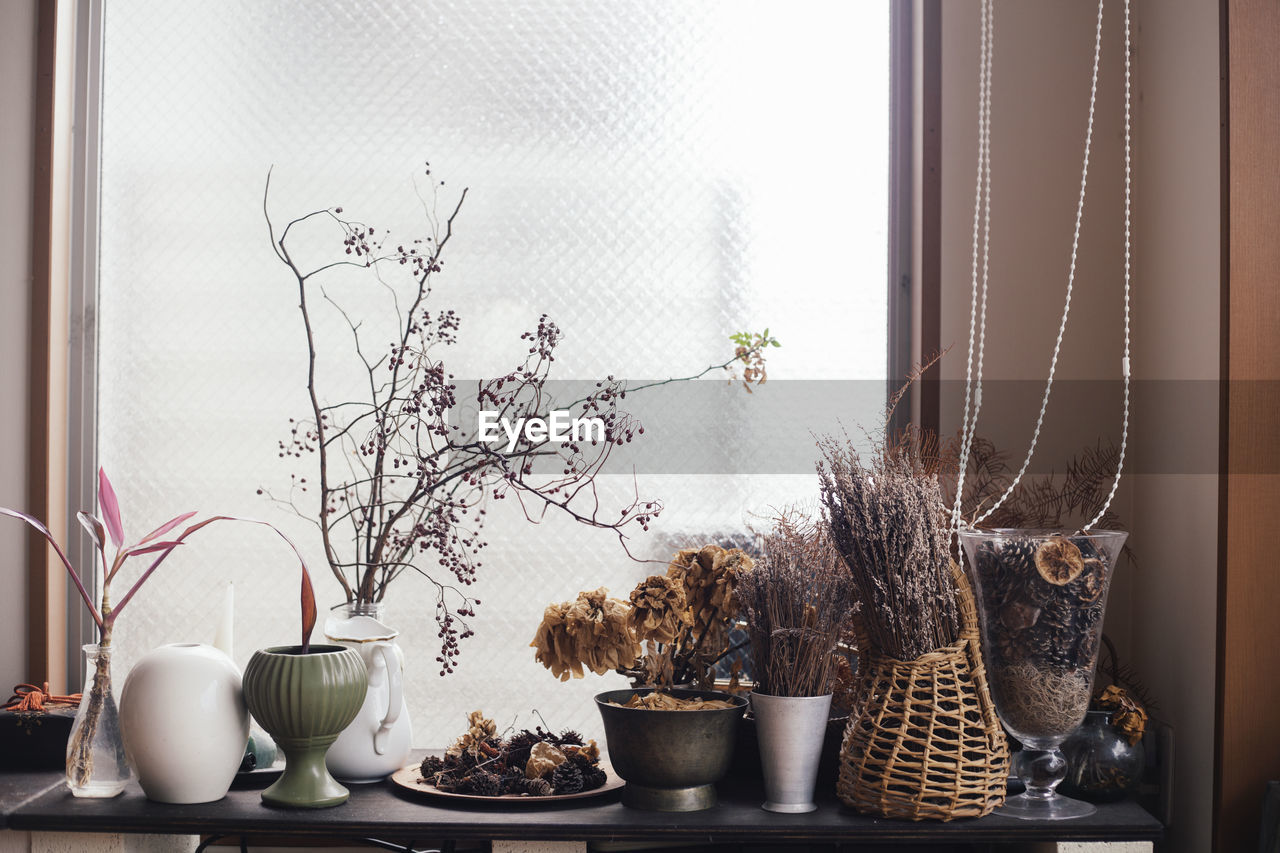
533, 763
1046, 599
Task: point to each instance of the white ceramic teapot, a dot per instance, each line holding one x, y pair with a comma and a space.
379, 739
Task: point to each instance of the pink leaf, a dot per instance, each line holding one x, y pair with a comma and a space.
142, 548
44, 531
164, 528
95, 529
307, 598
110, 508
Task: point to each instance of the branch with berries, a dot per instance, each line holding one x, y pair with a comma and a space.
397, 486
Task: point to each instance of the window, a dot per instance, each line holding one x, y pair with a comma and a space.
654, 176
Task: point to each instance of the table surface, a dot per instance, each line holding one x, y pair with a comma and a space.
39, 801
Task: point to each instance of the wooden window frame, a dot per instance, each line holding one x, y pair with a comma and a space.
1247, 740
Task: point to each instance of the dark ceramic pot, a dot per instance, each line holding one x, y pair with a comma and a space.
671, 760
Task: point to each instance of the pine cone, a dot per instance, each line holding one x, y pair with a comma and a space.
567, 778
431, 765
536, 787
518, 747
484, 783
512, 782
1019, 556
593, 778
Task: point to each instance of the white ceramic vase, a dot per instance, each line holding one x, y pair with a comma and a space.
184, 723
791, 730
378, 741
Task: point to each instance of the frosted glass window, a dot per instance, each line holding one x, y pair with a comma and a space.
653, 175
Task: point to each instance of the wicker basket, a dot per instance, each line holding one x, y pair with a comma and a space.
923, 741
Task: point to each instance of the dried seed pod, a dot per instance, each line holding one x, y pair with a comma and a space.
1059, 561
484, 783
1019, 615
445, 781
431, 765
1091, 581
543, 759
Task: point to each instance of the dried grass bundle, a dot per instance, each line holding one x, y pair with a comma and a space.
796, 603
887, 520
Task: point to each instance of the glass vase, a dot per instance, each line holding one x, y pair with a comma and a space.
1102, 765
96, 763
1042, 595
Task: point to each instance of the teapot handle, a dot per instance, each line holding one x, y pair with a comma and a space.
395, 695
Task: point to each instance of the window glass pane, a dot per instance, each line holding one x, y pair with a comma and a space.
653, 175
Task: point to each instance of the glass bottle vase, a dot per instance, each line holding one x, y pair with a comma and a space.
96, 764
1041, 597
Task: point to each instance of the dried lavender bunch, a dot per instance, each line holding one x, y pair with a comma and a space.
796, 601
887, 520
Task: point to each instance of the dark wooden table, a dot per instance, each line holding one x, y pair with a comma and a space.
18, 788
39, 802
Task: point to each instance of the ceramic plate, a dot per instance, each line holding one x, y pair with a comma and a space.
410, 779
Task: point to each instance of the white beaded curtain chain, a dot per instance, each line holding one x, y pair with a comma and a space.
981, 233
984, 168
1124, 362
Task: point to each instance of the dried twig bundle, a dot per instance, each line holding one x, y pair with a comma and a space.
796, 602
887, 520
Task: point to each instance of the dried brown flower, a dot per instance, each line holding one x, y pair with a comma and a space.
683, 618
710, 576
1127, 715
592, 632
659, 609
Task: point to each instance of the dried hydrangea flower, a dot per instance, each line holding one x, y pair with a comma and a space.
659, 609
591, 632
710, 576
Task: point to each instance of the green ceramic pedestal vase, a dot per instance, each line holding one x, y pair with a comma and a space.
304, 702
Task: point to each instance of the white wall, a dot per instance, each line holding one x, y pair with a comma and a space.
17, 92
1164, 614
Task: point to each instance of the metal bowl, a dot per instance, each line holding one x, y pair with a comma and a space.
671, 760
